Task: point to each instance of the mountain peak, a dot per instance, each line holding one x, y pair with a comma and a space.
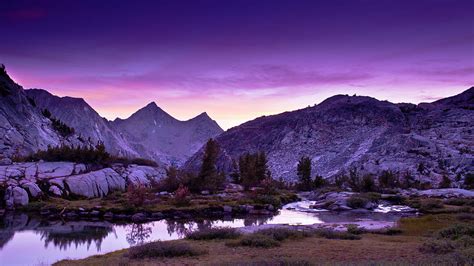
151, 105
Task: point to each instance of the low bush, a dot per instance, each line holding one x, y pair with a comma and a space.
438, 246
137, 195
331, 234
255, 240
387, 231
396, 199
167, 249
355, 229
93, 155
456, 202
267, 199
469, 181
181, 196
430, 204
357, 201
372, 196
214, 233
456, 231
465, 217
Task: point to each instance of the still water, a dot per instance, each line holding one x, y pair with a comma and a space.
31, 241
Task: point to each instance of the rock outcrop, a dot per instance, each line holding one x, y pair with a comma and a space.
23, 129
427, 140
27, 181
84, 119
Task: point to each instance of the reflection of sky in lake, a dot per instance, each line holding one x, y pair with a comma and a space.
29, 242
29, 247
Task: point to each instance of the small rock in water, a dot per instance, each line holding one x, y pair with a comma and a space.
138, 217
157, 215
108, 215
95, 213
205, 192
227, 209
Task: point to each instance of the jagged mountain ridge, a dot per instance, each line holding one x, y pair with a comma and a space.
23, 129
153, 132
357, 131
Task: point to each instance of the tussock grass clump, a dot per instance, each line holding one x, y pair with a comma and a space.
214, 233
166, 249
280, 234
271, 262
255, 240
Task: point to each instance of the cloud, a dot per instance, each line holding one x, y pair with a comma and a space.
446, 72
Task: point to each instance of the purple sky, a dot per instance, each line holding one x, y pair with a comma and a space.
238, 59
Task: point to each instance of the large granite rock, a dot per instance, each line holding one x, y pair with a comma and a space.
15, 196
95, 184
33, 189
143, 175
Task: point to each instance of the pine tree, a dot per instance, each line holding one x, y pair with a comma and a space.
304, 173
209, 178
235, 174
253, 169
445, 182
261, 166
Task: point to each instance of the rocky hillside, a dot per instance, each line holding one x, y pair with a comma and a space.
156, 134
354, 131
84, 119
23, 129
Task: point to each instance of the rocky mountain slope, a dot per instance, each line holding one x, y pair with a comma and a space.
23, 129
156, 134
361, 132
84, 119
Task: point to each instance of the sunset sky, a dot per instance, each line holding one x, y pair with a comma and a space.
238, 60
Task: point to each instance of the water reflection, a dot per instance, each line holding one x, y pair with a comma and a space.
56, 240
138, 234
65, 235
